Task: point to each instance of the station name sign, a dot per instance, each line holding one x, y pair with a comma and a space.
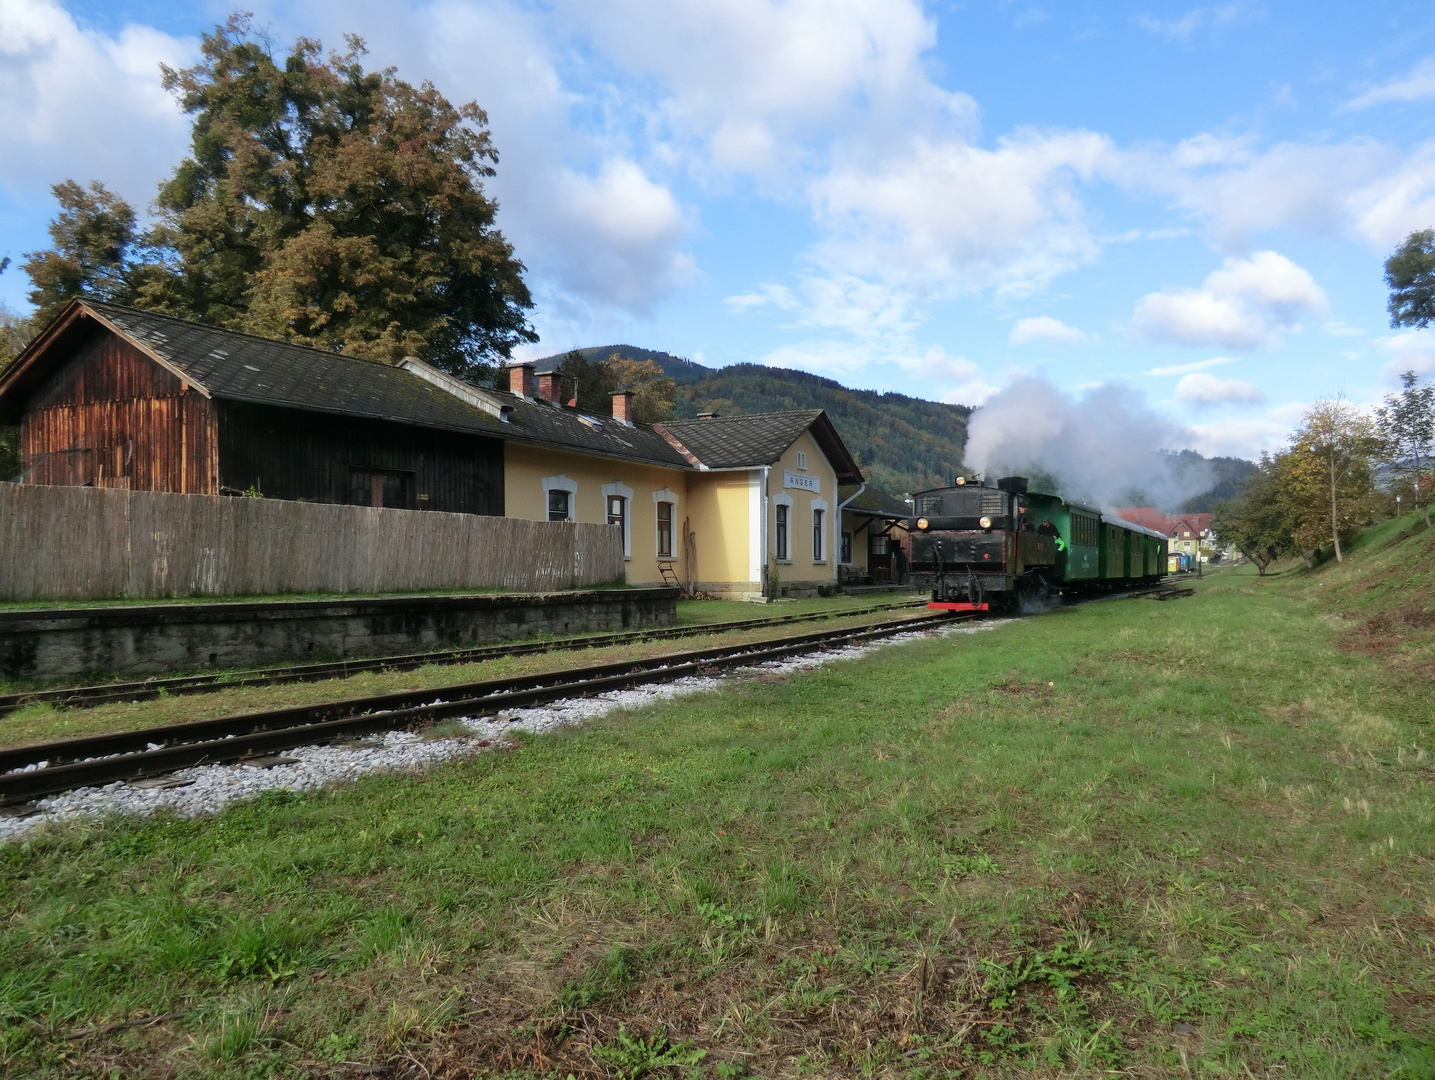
797, 480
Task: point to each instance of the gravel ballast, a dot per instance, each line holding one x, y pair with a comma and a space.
208, 789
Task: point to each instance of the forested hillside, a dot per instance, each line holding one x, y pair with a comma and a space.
904, 444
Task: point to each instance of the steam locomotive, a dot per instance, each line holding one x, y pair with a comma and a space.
982, 548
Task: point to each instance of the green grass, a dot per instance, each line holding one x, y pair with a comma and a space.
700, 612
1190, 838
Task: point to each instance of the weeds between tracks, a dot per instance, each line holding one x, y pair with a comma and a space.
1191, 838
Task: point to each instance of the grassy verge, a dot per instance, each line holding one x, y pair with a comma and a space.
1190, 838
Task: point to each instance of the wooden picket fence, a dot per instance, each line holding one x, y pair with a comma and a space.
81, 543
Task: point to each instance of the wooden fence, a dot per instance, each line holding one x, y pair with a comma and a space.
80, 543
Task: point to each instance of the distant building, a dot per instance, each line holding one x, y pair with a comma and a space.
1188, 533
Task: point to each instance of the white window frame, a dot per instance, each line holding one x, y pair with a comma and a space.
623, 491
802, 460
782, 499
813, 507
561, 483
665, 495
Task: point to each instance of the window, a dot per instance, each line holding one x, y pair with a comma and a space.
665, 530
878, 544
371, 487
558, 503
782, 532
618, 511
802, 459
817, 516
846, 557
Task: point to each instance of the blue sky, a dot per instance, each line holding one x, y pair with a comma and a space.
1193, 202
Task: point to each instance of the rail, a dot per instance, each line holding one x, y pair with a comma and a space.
31, 772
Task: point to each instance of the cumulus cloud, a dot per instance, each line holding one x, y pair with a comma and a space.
75, 102
1420, 83
949, 216
1202, 388
1247, 436
1244, 304
1101, 447
1045, 328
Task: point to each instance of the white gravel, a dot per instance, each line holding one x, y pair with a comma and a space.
210, 788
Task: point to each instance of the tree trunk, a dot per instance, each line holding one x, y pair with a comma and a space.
1334, 511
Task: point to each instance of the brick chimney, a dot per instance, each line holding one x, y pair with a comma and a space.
548, 386
623, 406
520, 380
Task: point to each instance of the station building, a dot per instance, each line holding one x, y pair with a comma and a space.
735, 506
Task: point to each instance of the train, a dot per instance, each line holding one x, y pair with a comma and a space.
976, 547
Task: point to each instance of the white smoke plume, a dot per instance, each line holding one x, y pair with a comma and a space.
1104, 448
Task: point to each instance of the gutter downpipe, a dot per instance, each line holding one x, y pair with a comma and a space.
762, 514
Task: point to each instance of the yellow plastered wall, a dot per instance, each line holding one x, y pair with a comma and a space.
525, 467
800, 567
720, 512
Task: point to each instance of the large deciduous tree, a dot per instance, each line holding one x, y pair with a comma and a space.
1256, 522
1407, 424
320, 203
96, 255
1410, 273
1328, 471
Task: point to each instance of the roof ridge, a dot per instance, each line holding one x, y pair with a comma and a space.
236, 333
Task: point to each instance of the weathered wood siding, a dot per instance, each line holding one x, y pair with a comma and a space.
77, 543
112, 417
308, 456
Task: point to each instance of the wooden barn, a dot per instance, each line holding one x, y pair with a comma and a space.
113, 397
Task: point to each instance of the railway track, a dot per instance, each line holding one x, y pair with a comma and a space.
148, 689
32, 772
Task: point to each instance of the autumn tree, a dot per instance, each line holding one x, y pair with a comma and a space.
1407, 425
320, 203
1410, 273
1326, 476
653, 392
1255, 521
97, 252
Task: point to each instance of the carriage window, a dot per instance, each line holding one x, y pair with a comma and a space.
558, 505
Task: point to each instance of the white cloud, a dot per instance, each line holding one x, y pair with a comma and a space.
77, 103
1192, 21
940, 375
1199, 365
1045, 328
1248, 436
947, 216
1336, 328
1244, 304
1420, 83
1202, 388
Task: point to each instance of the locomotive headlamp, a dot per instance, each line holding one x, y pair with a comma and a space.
984, 521
922, 523
961, 481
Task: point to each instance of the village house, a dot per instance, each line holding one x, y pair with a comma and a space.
729, 505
